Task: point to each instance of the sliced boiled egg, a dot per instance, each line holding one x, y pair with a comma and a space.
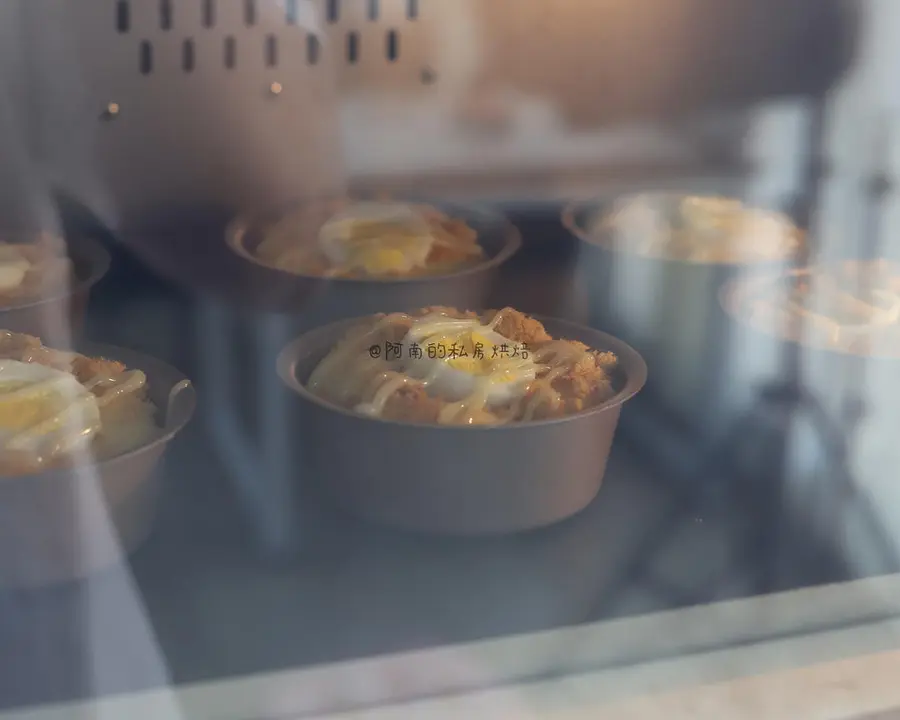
44, 411
379, 238
469, 362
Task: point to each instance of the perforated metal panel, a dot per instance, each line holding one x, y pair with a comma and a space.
138, 105
159, 104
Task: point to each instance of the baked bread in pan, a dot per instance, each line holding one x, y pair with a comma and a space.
696, 229
450, 367
56, 406
373, 239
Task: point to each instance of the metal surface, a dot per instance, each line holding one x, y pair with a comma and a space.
194, 122
66, 524
91, 263
703, 369
459, 480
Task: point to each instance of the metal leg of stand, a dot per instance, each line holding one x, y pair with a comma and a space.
260, 475
878, 188
785, 397
274, 412
771, 491
845, 490
239, 458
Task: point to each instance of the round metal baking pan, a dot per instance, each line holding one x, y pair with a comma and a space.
65, 524
321, 300
437, 479
831, 365
90, 262
669, 310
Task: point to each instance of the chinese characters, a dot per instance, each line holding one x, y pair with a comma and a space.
444, 351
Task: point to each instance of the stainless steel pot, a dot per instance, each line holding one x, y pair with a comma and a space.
66, 524
458, 480
703, 368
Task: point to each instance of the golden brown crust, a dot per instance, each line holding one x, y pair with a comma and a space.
519, 327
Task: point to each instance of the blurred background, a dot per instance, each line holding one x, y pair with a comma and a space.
146, 126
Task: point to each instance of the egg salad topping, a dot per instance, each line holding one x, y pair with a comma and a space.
452, 368
379, 238
467, 362
12, 273
43, 411
58, 407
478, 352
14, 266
